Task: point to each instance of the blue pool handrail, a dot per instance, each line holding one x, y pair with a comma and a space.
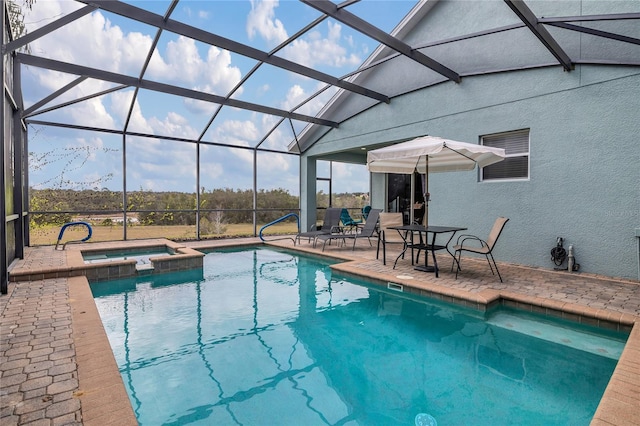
69, 224
287, 216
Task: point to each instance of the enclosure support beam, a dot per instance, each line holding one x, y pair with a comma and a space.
158, 21
4, 279
163, 88
40, 32
18, 138
531, 21
358, 24
599, 33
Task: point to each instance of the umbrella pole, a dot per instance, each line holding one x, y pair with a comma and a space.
425, 220
412, 199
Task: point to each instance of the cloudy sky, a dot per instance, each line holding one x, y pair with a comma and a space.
80, 159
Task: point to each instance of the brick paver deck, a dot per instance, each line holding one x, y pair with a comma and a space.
56, 366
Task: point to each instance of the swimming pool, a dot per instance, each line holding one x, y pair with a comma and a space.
270, 337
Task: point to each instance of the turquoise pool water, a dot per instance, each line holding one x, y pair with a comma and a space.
140, 256
272, 338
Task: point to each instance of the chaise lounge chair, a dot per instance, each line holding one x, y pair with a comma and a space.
369, 230
331, 222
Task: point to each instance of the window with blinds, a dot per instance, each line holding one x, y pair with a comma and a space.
516, 165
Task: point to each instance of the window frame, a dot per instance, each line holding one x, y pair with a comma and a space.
524, 154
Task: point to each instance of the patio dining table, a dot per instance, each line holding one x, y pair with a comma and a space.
408, 233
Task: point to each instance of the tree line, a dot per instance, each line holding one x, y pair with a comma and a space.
59, 206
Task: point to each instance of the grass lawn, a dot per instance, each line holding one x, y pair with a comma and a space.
49, 235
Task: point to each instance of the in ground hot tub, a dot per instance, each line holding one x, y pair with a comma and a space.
121, 262
142, 256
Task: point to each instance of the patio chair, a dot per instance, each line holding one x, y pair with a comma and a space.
331, 221
369, 230
486, 247
389, 236
365, 212
348, 221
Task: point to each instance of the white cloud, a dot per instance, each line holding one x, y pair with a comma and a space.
161, 165
181, 61
173, 125
211, 172
103, 45
350, 177
183, 64
264, 89
276, 140
277, 163
50, 80
95, 109
310, 51
237, 133
297, 94
316, 50
199, 107
121, 102
261, 20
219, 70
106, 46
77, 113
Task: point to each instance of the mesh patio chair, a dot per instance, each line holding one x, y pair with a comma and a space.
370, 229
331, 221
389, 236
469, 243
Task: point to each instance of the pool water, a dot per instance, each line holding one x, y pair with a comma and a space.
140, 256
269, 337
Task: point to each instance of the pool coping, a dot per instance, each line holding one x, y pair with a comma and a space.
103, 396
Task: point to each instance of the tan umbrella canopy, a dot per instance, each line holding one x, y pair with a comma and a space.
431, 154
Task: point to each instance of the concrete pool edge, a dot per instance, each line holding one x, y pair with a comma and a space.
103, 396
619, 404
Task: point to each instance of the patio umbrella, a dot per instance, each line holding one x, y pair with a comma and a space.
431, 154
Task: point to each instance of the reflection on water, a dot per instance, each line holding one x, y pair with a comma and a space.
266, 337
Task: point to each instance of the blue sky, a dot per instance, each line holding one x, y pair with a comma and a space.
109, 42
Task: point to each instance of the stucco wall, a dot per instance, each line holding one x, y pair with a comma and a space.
584, 181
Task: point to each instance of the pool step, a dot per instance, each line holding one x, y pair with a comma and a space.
144, 268
583, 341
